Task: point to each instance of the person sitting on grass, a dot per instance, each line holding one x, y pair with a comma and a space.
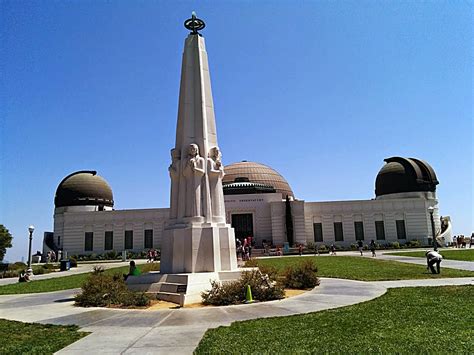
24, 276
133, 270
433, 257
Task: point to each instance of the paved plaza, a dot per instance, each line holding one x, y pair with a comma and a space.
179, 330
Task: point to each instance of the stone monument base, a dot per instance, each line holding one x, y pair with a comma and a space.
182, 288
195, 247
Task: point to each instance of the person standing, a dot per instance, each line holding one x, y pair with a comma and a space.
372, 248
360, 245
300, 249
432, 258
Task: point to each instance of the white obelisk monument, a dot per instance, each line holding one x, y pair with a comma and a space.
196, 238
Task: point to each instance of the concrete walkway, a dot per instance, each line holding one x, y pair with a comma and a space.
178, 331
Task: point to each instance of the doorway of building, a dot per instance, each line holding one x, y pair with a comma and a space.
243, 225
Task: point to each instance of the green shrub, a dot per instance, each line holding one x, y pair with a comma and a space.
413, 244
395, 245
301, 276
111, 255
233, 292
323, 249
310, 246
101, 290
17, 266
10, 273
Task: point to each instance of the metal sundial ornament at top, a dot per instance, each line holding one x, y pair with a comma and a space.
194, 24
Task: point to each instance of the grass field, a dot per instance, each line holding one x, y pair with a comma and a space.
459, 254
420, 320
64, 282
33, 338
365, 269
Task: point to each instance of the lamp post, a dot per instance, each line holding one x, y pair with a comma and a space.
31, 229
435, 245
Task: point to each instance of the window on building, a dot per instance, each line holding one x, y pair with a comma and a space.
128, 239
401, 231
89, 241
318, 232
109, 240
148, 238
359, 230
379, 230
338, 232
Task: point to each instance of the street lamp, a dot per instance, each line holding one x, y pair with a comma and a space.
435, 245
31, 229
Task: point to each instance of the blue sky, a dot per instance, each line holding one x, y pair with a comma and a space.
322, 91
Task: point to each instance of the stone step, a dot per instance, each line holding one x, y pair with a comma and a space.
172, 287
177, 298
176, 278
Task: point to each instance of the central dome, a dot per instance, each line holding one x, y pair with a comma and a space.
83, 188
257, 173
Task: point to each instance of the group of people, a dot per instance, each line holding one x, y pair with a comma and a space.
244, 248
51, 256
372, 247
460, 241
152, 255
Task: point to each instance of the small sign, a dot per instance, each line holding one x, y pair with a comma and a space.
181, 288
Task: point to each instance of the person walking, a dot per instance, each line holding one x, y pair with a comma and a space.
372, 248
432, 258
360, 245
300, 249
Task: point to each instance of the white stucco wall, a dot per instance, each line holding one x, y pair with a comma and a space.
268, 213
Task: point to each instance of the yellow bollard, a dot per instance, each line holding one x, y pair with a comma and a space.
248, 296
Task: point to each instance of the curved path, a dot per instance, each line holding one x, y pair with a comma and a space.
178, 331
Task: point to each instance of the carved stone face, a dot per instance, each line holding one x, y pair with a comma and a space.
215, 153
193, 150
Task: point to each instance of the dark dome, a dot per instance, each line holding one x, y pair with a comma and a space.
83, 188
405, 175
261, 175
242, 186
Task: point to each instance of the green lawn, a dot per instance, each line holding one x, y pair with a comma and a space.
64, 282
422, 320
448, 254
365, 269
34, 338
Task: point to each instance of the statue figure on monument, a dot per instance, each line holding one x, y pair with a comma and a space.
174, 170
193, 172
215, 171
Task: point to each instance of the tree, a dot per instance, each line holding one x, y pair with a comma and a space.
5, 241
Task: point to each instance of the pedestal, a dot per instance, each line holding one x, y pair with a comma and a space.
201, 247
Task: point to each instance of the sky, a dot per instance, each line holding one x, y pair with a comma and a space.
321, 91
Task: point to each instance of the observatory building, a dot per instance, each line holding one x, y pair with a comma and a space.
256, 205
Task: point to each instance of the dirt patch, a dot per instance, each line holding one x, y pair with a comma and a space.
158, 304
290, 293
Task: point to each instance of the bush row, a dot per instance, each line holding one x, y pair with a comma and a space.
15, 269
110, 255
322, 248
